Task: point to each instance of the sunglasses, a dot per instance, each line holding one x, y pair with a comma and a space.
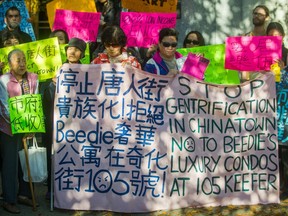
111, 45
195, 42
167, 44
11, 16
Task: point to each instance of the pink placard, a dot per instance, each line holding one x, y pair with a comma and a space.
142, 29
83, 25
252, 53
195, 66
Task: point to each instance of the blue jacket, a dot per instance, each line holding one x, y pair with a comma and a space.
156, 64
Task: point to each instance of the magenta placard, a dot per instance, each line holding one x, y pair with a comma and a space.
83, 25
142, 29
252, 53
195, 66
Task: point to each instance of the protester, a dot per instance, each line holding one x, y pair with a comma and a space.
61, 35
12, 20
75, 50
193, 39
114, 40
164, 60
14, 83
276, 29
260, 18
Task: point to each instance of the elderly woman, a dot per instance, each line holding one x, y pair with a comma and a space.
14, 83
114, 40
164, 60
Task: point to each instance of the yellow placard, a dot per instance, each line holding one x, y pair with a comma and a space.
42, 57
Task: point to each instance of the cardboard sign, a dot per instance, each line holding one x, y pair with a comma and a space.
42, 57
252, 53
142, 29
26, 114
82, 25
194, 65
75, 5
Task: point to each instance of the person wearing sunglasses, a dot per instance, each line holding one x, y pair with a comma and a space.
114, 40
192, 39
260, 16
163, 61
12, 20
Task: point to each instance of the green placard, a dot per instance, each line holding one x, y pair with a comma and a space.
215, 72
43, 57
26, 114
85, 60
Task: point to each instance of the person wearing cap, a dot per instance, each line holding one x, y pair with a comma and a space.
75, 50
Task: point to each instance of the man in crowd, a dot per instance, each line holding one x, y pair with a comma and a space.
260, 17
12, 20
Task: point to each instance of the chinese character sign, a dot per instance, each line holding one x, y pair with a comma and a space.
26, 114
24, 25
42, 57
150, 5
82, 25
215, 72
252, 53
142, 29
129, 141
76, 5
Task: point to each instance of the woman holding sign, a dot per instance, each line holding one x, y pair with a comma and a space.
14, 83
164, 60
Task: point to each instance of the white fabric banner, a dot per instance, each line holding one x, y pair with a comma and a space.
129, 141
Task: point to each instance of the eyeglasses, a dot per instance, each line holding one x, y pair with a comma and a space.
258, 14
195, 42
111, 45
167, 44
11, 16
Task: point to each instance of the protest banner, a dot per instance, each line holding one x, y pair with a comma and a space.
193, 65
82, 25
252, 53
26, 114
84, 60
42, 57
215, 72
24, 25
131, 141
150, 5
74, 5
142, 29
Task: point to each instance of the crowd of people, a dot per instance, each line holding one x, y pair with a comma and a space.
110, 47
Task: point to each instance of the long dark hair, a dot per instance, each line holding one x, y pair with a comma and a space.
199, 36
